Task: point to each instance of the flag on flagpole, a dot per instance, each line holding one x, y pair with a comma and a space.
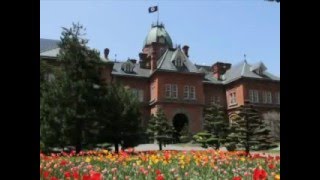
153, 9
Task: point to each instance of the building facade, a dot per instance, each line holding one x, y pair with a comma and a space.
164, 77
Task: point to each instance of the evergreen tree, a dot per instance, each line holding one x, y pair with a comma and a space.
215, 123
68, 103
251, 131
205, 138
119, 116
159, 129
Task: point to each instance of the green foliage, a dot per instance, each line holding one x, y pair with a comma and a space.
249, 131
205, 138
215, 124
159, 129
67, 104
119, 116
185, 135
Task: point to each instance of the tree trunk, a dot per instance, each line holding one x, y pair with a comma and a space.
160, 145
78, 147
116, 147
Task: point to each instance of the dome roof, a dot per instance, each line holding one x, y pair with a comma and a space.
158, 31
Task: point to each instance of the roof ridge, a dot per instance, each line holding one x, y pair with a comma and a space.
161, 61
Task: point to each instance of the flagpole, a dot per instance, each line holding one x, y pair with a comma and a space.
158, 14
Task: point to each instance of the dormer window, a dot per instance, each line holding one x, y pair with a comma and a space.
127, 67
258, 68
178, 62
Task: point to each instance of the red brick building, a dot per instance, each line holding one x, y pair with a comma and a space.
165, 77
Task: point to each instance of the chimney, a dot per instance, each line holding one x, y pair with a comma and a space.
106, 53
186, 50
219, 68
153, 56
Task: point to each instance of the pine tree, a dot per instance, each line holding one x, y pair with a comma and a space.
119, 117
159, 129
251, 130
68, 103
215, 123
205, 138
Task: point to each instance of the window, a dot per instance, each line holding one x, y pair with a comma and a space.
212, 99
174, 88
254, 96
171, 91
189, 92
138, 93
251, 98
264, 97
233, 99
192, 93
152, 92
269, 97
49, 77
168, 90
178, 62
141, 95
186, 92
218, 99
215, 100
277, 96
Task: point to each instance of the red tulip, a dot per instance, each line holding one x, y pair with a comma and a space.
271, 166
46, 174
259, 174
75, 175
96, 176
67, 174
54, 178
160, 177
86, 177
63, 163
158, 172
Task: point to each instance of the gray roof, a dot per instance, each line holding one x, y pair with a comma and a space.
244, 69
48, 44
137, 71
165, 62
49, 48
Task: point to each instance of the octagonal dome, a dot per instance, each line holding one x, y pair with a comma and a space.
158, 32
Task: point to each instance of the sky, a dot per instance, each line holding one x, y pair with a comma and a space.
215, 30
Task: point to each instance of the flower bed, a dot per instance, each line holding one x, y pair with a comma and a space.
208, 164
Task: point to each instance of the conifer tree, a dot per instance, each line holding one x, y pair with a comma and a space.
68, 103
251, 131
159, 129
215, 124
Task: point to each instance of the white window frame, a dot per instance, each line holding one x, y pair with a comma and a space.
251, 96
269, 97
152, 92
265, 97
186, 92
233, 98
168, 90
256, 96
192, 92
174, 91
141, 97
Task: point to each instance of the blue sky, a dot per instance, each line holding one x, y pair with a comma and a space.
215, 30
